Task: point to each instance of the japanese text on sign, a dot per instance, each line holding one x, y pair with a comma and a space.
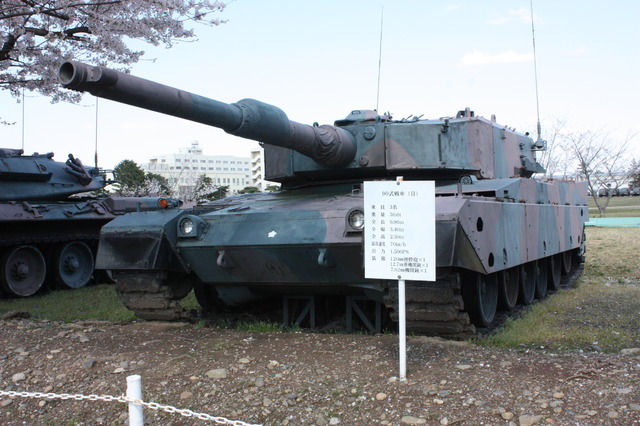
400, 230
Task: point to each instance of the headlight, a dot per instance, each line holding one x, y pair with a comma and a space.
186, 226
191, 226
355, 219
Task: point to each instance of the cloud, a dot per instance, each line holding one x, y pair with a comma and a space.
522, 15
453, 7
579, 51
478, 57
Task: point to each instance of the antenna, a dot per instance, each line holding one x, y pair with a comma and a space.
23, 118
96, 141
539, 142
380, 55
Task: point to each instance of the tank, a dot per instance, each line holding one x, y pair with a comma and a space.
503, 238
48, 235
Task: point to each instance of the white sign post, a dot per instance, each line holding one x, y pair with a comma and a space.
399, 235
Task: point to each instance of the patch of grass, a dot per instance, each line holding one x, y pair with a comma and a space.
618, 207
600, 314
619, 212
257, 325
618, 202
221, 347
190, 302
596, 316
99, 302
613, 252
260, 326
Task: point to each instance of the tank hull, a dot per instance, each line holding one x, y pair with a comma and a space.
304, 239
46, 244
300, 243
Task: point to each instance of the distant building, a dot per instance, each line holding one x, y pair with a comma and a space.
257, 171
183, 169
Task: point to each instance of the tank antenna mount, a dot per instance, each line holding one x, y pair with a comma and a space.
540, 144
380, 55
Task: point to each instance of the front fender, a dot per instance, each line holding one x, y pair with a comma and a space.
141, 241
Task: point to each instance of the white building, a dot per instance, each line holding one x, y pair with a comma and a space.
183, 169
257, 171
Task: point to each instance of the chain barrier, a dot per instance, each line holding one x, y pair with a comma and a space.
152, 405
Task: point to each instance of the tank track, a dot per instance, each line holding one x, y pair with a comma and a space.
435, 308
432, 308
571, 279
146, 294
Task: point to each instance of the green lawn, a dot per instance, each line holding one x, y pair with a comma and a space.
96, 302
618, 207
600, 314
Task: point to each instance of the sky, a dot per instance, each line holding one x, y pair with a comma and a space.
318, 60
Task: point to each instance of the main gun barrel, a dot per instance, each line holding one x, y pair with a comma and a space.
248, 118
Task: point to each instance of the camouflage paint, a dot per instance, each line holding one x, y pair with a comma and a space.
491, 215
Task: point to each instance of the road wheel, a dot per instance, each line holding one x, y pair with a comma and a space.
480, 294
555, 271
541, 278
207, 298
527, 283
23, 271
567, 261
74, 265
509, 287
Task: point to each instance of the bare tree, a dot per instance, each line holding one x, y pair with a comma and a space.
555, 158
601, 162
36, 36
634, 174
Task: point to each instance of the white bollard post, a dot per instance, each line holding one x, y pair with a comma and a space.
134, 391
402, 330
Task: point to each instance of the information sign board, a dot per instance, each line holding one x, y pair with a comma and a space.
399, 230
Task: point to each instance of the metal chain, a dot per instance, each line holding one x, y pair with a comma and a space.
124, 399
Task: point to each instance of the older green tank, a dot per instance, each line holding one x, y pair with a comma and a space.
503, 238
50, 221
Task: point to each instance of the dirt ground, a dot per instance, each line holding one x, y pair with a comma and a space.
303, 378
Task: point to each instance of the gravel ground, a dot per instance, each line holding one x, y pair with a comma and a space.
304, 379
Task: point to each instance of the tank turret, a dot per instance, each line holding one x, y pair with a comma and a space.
39, 177
503, 238
363, 145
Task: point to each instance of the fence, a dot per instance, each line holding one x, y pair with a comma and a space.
133, 399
